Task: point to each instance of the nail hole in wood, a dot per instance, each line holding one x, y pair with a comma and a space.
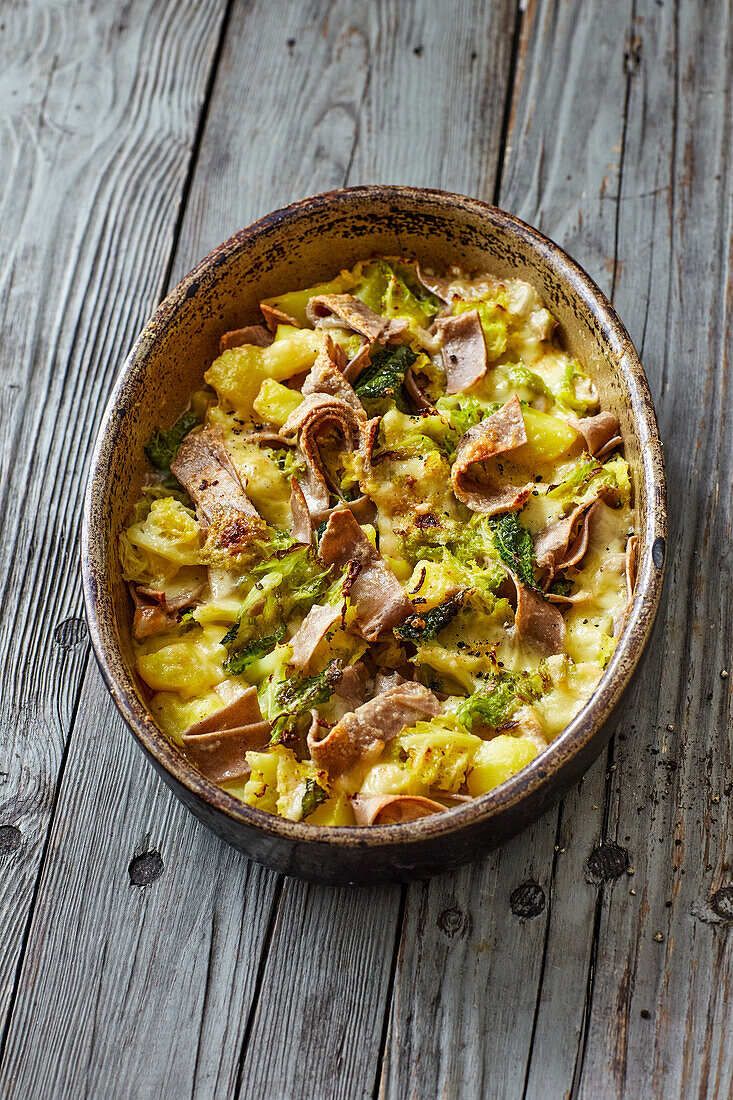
721, 902
608, 861
145, 868
528, 900
10, 839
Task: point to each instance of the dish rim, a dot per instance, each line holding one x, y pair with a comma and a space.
579, 733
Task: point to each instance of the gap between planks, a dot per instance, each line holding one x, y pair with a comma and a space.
79, 684
484, 152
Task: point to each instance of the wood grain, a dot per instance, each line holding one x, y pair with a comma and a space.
326, 974
283, 119
159, 962
581, 163
127, 987
323, 65
98, 113
466, 980
660, 1022
494, 994
434, 103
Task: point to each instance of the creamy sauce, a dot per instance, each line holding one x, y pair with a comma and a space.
216, 624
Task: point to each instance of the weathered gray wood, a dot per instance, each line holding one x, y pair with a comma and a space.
478, 1015
209, 980
98, 112
459, 1026
660, 1022
655, 1020
129, 981
318, 1025
576, 170
433, 108
241, 173
283, 120
398, 140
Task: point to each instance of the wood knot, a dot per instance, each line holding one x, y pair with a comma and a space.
721, 903
10, 839
145, 868
607, 861
454, 922
70, 633
528, 900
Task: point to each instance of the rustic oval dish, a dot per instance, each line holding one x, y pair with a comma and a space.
301, 245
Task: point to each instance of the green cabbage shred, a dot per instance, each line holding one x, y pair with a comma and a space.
379, 386
313, 797
241, 659
515, 547
162, 447
426, 624
297, 696
494, 703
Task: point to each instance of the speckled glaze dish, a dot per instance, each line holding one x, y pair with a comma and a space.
301, 245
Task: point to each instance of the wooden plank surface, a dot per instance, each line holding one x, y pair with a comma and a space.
98, 113
396, 140
435, 100
323, 65
159, 962
578, 167
123, 992
476, 1009
660, 1022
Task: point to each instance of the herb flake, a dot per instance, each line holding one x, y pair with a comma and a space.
314, 796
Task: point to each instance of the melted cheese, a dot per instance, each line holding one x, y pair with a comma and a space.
409, 482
